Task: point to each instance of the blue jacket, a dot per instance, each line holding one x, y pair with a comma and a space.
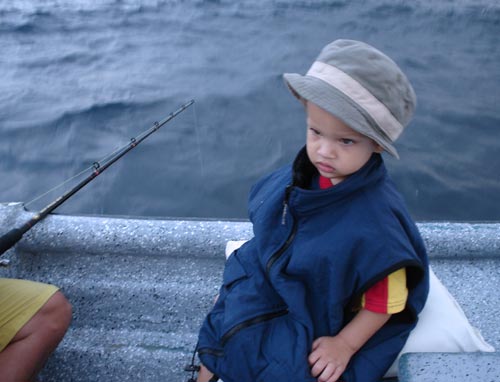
313, 254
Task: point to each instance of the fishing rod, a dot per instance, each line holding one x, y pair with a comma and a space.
8, 240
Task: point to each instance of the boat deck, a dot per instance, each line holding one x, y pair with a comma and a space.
140, 289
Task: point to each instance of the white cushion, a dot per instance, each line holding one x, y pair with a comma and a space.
233, 245
442, 326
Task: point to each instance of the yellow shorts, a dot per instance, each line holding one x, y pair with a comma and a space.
19, 301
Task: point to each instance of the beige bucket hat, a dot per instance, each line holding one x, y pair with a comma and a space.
361, 86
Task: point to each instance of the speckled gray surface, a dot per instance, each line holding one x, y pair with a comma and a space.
449, 367
140, 288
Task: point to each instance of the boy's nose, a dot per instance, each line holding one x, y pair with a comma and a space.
327, 150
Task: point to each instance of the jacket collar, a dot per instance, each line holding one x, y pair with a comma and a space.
303, 199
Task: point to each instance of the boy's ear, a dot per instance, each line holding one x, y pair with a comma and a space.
378, 149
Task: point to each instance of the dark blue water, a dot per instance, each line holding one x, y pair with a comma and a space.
79, 78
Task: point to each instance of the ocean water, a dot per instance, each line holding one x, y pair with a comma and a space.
79, 78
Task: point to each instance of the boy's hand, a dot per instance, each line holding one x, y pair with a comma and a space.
330, 355
329, 358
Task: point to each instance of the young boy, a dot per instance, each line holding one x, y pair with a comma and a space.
330, 286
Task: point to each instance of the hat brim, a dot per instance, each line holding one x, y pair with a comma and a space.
335, 102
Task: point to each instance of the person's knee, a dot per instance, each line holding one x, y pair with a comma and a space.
49, 324
57, 313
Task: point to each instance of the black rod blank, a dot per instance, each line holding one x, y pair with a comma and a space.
8, 240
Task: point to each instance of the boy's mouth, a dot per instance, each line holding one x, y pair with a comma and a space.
323, 167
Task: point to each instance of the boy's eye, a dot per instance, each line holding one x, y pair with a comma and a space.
314, 131
346, 141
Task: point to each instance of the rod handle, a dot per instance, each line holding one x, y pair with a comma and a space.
8, 240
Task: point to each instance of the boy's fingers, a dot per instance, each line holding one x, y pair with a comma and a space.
327, 374
336, 375
313, 357
318, 368
316, 343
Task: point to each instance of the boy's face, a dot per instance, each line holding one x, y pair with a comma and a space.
335, 149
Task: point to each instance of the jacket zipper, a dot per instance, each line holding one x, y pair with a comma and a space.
283, 248
290, 238
268, 316
214, 352
285, 204
250, 322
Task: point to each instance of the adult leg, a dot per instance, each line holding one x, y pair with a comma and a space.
28, 351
